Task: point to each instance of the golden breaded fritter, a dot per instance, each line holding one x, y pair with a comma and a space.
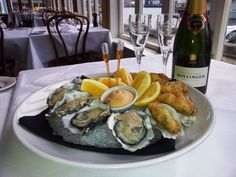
159, 77
175, 87
179, 102
163, 117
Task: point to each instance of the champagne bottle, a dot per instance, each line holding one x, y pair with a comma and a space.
192, 47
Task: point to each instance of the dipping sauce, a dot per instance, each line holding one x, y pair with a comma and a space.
120, 98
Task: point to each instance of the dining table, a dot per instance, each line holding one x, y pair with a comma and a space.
215, 156
16, 42
31, 48
40, 47
38, 21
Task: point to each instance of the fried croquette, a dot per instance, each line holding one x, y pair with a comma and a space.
159, 77
163, 117
175, 87
179, 102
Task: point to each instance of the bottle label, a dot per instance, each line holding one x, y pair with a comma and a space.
195, 23
195, 77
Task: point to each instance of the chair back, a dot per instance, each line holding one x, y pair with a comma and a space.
47, 14
77, 39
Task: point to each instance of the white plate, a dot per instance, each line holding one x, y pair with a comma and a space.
6, 82
76, 157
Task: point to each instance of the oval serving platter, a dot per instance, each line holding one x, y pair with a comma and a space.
36, 102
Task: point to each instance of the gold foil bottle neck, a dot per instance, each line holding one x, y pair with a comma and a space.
196, 7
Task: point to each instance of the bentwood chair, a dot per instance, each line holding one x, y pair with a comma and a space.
75, 51
7, 66
47, 14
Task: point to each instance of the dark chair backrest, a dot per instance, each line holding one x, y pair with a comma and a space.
81, 23
46, 14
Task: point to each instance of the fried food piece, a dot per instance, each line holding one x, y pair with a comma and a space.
175, 87
155, 77
163, 117
179, 102
159, 77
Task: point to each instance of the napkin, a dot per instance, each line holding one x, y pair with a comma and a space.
39, 126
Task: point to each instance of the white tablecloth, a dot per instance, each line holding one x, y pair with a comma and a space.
38, 21
16, 46
33, 51
215, 157
5, 97
41, 49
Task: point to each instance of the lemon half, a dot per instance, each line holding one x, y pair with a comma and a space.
141, 82
113, 82
93, 87
149, 95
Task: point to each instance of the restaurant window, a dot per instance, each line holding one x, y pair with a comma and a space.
16, 5
91, 7
229, 52
3, 6
153, 7
38, 4
84, 7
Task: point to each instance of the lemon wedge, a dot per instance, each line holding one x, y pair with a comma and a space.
125, 76
141, 82
93, 87
105, 81
149, 95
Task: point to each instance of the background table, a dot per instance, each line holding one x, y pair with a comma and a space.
41, 50
16, 46
215, 157
32, 51
38, 21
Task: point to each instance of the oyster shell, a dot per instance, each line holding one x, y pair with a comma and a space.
70, 106
59, 93
132, 129
94, 113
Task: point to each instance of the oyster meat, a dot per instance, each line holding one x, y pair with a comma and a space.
59, 93
70, 105
94, 113
132, 129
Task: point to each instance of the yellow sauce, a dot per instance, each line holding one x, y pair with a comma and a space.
120, 98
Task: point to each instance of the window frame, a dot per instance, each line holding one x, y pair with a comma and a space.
116, 15
218, 26
168, 6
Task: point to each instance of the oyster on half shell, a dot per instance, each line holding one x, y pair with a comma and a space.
132, 129
92, 114
59, 93
73, 104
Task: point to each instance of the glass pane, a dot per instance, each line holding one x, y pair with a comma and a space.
3, 7
97, 9
229, 53
129, 8
153, 7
